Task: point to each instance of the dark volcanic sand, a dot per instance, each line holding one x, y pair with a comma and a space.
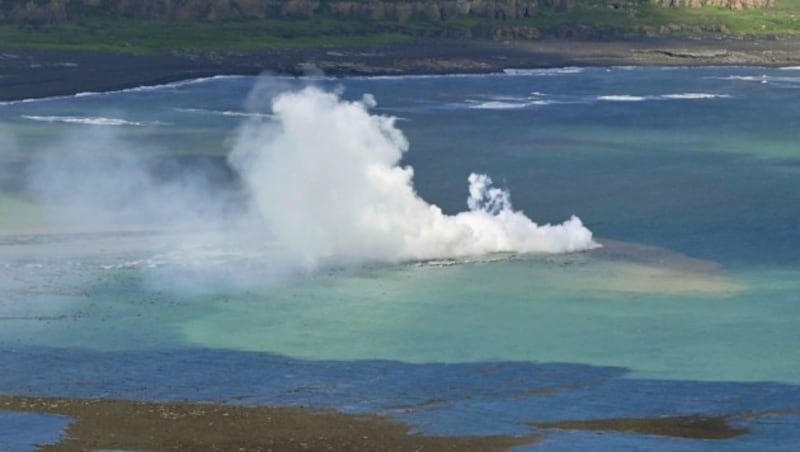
122, 424
37, 73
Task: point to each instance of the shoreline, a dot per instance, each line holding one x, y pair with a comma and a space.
30, 74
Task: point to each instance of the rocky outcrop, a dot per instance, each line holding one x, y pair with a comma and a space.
399, 11
515, 32
729, 4
396, 11
502, 19
32, 12
439, 11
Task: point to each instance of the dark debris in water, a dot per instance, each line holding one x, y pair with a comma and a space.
35, 318
694, 427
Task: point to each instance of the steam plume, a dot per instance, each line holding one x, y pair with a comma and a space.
324, 174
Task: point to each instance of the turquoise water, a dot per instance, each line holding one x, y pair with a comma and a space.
688, 177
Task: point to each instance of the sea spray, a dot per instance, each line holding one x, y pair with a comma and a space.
325, 176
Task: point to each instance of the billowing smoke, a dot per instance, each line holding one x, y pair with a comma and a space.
325, 175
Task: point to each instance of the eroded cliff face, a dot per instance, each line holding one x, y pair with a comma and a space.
397, 11
729, 4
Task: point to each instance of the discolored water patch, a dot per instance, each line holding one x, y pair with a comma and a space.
641, 269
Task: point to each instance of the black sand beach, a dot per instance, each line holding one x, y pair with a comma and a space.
39, 73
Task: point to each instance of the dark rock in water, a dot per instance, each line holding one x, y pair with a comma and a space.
696, 427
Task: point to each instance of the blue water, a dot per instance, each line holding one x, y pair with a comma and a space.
688, 177
24, 431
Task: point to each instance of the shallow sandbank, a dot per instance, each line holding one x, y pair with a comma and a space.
119, 424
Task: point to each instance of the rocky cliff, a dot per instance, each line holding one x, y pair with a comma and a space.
392, 11
729, 4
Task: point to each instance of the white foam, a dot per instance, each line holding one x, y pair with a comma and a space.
672, 96
779, 81
89, 120
694, 96
746, 78
506, 102
498, 105
416, 76
137, 89
543, 72
233, 113
621, 98
178, 84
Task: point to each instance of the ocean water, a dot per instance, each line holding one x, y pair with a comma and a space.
128, 268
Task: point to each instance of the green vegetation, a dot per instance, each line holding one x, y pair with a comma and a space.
782, 18
142, 36
648, 18
585, 18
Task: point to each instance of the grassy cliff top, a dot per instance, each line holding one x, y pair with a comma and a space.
95, 25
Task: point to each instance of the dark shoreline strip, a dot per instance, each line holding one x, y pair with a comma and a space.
121, 424
32, 73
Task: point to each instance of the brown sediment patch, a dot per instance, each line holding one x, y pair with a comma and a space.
654, 256
121, 424
695, 427
645, 279
650, 270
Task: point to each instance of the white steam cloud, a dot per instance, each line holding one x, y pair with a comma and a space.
95, 179
324, 174
314, 181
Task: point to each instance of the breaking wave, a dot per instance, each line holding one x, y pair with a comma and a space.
676, 96
136, 89
546, 72
621, 98
694, 96
90, 120
231, 113
498, 105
